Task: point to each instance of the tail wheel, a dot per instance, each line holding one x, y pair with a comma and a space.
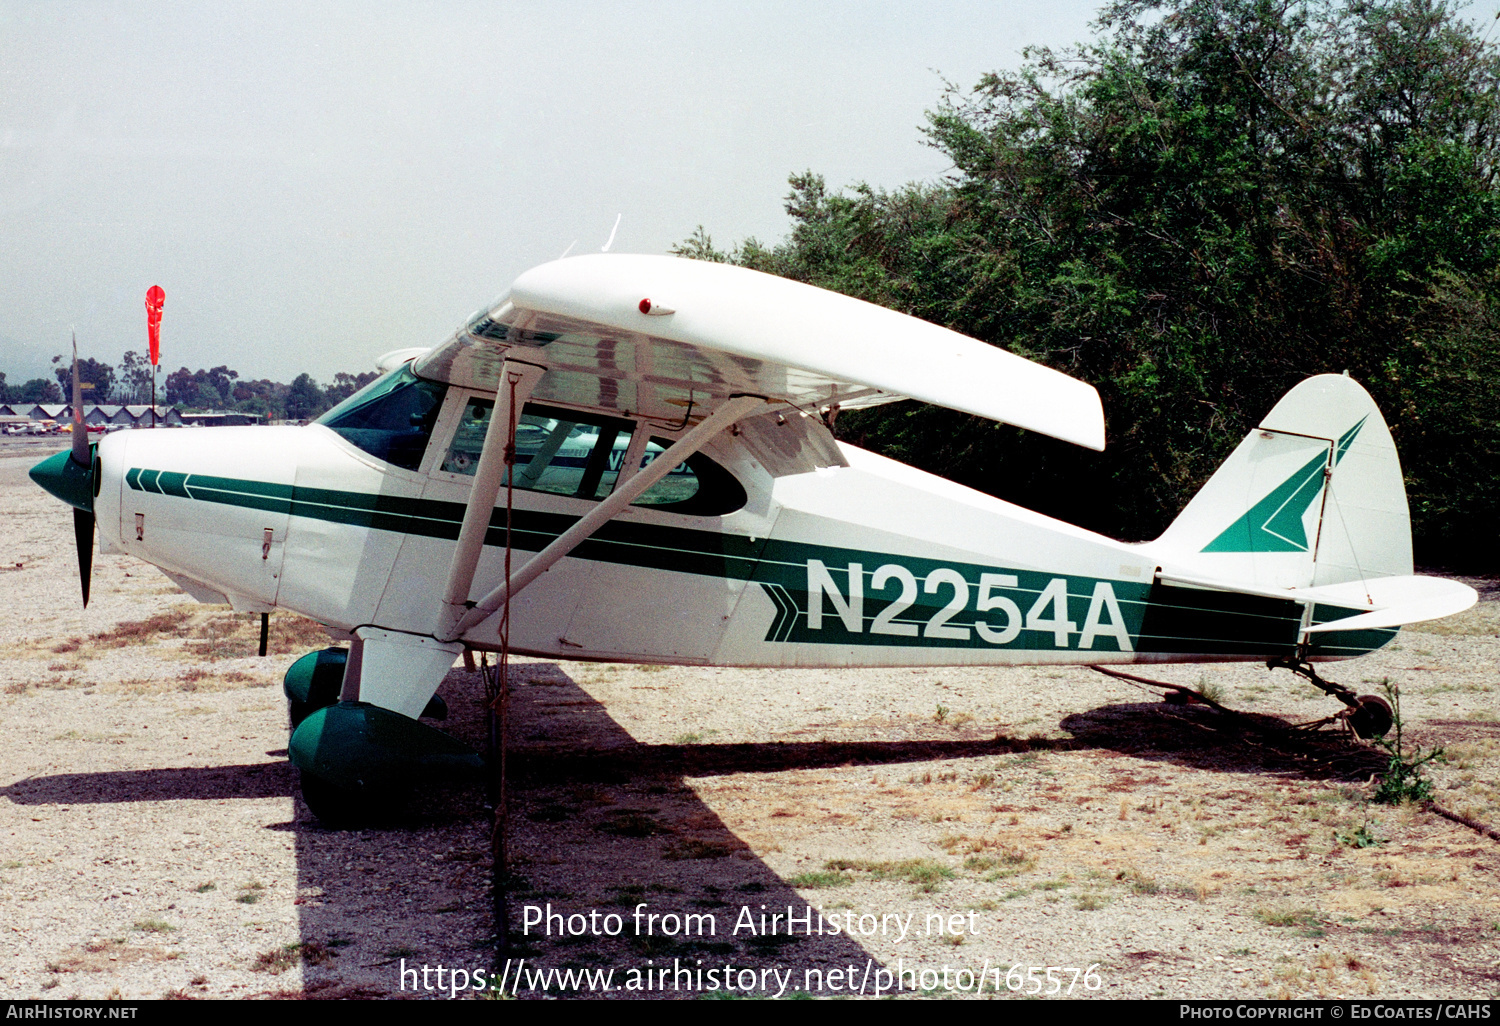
1371, 716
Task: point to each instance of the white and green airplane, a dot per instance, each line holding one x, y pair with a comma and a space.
675, 496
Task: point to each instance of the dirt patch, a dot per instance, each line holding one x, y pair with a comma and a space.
1034, 816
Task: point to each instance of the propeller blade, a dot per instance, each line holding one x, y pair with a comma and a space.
83, 536
80, 433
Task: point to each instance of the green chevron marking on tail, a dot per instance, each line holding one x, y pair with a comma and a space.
1274, 524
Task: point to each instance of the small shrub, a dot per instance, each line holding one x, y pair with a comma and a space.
1362, 837
308, 953
276, 962
1139, 883
696, 848
925, 873
821, 878
1403, 780
1303, 917
1211, 690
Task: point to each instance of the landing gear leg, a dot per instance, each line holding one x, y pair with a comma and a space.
1369, 716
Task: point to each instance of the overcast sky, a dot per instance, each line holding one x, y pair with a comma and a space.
314, 184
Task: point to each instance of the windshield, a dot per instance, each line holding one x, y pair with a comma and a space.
391, 418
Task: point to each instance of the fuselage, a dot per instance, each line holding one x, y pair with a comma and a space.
794, 550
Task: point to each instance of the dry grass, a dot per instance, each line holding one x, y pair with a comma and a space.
199, 631
173, 623
279, 960
223, 634
99, 955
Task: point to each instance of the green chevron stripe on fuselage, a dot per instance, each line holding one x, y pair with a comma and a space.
1092, 614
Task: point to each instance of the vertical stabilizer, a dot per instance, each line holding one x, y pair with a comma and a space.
1313, 496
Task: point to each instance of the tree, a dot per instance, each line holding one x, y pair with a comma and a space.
100, 375
135, 379
304, 399
256, 405
221, 378
1209, 202
345, 384
181, 387
40, 390
206, 397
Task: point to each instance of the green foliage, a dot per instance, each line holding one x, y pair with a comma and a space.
304, 399
100, 375
1193, 212
925, 873
155, 926
134, 379
38, 390
816, 878
1403, 780
1362, 836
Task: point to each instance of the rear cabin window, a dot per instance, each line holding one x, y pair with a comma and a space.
566, 452
697, 487
391, 418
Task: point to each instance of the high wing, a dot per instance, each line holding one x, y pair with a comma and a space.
671, 339
704, 346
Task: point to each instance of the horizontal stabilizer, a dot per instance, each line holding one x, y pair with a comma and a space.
1391, 601
1398, 601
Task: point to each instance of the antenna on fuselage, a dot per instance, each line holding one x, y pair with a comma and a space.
611, 242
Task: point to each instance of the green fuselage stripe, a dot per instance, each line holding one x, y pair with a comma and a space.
1159, 619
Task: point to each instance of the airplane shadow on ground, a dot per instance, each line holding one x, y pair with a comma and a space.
600, 823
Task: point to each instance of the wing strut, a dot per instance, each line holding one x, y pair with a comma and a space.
488, 477
735, 409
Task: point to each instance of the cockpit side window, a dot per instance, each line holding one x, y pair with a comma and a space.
391, 418
559, 451
567, 452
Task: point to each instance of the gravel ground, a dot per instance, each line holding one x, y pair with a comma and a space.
153, 843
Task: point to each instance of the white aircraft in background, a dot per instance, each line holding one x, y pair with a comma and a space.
678, 498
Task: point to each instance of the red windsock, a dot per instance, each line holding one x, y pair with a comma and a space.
154, 299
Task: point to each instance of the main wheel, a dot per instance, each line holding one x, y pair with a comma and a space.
313, 682
342, 808
1371, 717
299, 711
